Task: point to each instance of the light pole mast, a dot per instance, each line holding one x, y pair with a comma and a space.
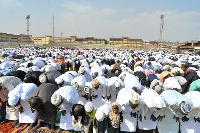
161, 27
53, 27
28, 23
61, 37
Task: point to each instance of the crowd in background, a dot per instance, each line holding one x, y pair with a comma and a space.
99, 90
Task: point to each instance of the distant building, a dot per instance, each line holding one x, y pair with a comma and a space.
21, 38
194, 45
125, 41
72, 39
42, 40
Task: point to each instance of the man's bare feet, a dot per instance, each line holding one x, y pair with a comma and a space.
36, 127
15, 123
30, 127
3, 122
19, 125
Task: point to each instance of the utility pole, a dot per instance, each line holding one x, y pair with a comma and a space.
61, 37
53, 28
28, 23
161, 28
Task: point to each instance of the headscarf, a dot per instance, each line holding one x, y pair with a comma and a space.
163, 75
115, 117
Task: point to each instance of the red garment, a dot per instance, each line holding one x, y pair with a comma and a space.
137, 59
59, 60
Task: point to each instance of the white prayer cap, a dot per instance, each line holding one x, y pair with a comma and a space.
117, 83
135, 98
87, 90
43, 78
82, 69
99, 115
56, 99
186, 107
88, 107
193, 68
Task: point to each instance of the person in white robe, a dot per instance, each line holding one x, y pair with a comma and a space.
132, 81
18, 98
101, 115
85, 70
64, 79
190, 123
153, 106
79, 83
8, 83
100, 89
129, 101
115, 84
176, 104
64, 98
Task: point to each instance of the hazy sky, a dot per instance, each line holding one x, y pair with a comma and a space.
103, 18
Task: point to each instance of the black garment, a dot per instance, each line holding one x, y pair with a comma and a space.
2, 111
52, 75
111, 129
142, 77
190, 78
109, 75
34, 75
47, 111
20, 74
81, 114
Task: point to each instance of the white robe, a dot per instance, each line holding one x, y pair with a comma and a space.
27, 116
168, 124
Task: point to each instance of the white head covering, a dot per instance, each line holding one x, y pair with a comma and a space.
171, 84
186, 107
135, 98
88, 107
159, 102
117, 83
43, 78
99, 115
82, 69
56, 99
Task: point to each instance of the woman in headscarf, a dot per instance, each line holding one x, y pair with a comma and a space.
114, 119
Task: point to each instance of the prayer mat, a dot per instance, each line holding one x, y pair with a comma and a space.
6, 128
41, 130
17, 130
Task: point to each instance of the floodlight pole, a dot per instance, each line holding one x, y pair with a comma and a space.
61, 37
28, 23
53, 28
161, 28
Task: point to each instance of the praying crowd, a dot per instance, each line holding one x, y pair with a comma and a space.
88, 90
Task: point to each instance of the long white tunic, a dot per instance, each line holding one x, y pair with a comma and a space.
70, 97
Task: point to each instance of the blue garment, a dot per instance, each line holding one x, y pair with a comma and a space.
102, 126
7, 71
